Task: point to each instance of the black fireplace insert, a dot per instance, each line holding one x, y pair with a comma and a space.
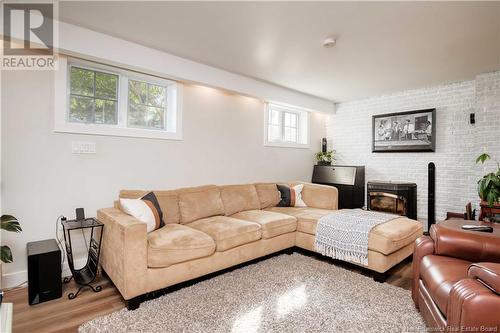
393, 197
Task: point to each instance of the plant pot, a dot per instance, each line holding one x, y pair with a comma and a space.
323, 163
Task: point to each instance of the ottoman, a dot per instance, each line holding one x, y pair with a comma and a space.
388, 244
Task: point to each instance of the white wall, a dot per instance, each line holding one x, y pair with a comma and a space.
91, 45
41, 178
458, 143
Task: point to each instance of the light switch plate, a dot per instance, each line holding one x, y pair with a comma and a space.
78, 147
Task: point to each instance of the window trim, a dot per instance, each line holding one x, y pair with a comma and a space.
302, 116
173, 129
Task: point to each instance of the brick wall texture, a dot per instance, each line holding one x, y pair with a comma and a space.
458, 143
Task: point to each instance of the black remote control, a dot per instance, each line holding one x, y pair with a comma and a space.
483, 228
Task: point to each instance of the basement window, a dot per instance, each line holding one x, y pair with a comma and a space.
147, 105
93, 96
286, 127
98, 99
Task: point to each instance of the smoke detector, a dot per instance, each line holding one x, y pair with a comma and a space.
329, 42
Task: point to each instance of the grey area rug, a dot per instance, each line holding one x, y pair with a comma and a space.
287, 293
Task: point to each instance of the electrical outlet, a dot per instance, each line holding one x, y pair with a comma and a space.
472, 118
78, 147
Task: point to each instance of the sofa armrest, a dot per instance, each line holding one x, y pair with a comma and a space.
472, 307
124, 251
488, 273
320, 196
424, 246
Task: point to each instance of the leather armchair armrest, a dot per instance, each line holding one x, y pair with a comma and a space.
488, 273
468, 245
423, 246
473, 307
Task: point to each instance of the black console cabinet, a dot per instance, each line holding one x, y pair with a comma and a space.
349, 180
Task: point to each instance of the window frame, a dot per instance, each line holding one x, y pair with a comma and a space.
154, 81
173, 113
284, 126
69, 94
302, 126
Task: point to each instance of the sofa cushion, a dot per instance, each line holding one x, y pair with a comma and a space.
272, 223
237, 198
285, 210
385, 238
319, 196
307, 217
268, 193
391, 236
200, 202
175, 243
228, 232
439, 274
168, 201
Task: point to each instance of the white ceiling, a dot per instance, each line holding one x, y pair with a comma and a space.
381, 47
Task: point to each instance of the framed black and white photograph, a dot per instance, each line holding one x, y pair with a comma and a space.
411, 131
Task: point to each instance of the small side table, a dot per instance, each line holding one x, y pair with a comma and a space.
87, 274
486, 210
457, 224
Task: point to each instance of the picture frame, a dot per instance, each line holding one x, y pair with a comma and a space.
409, 131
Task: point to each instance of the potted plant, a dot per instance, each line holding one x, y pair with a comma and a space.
489, 186
325, 158
9, 223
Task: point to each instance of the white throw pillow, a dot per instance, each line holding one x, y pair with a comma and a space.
298, 196
140, 210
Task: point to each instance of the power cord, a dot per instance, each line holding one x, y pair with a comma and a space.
85, 239
59, 239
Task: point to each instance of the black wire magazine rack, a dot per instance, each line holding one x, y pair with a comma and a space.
87, 274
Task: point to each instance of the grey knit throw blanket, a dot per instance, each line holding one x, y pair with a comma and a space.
344, 234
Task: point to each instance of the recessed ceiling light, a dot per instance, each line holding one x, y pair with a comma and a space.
329, 42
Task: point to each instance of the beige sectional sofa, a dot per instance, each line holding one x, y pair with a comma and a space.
210, 228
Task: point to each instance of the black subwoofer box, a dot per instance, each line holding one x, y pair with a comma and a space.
44, 271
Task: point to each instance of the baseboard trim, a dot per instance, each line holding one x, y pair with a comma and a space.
14, 279
10, 280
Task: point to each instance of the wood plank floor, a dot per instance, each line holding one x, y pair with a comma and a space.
64, 315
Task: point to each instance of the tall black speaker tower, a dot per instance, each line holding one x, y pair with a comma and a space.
431, 196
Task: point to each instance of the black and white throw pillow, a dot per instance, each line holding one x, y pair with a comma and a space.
291, 196
146, 209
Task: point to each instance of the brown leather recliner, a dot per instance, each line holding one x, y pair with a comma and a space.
456, 279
